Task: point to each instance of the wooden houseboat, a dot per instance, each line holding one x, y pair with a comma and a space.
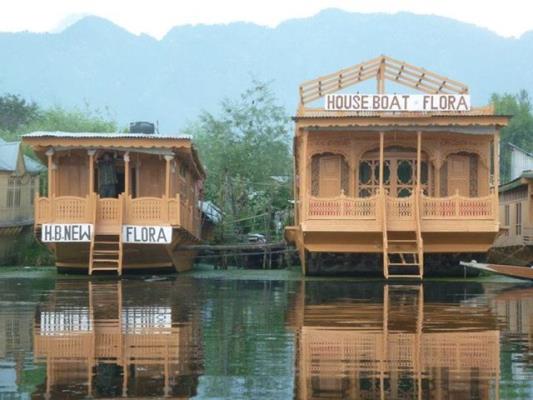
118, 201
514, 245
396, 175
401, 347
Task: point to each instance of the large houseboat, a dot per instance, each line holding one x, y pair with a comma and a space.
118, 201
402, 176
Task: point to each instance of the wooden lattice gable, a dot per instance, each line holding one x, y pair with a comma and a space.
381, 68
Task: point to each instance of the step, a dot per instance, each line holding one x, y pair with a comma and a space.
105, 269
103, 260
403, 264
105, 242
401, 241
97, 251
405, 276
413, 253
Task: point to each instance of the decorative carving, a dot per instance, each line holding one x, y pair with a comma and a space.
315, 176
444, 179
473, 175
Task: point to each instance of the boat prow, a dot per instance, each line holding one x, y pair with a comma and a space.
506, 270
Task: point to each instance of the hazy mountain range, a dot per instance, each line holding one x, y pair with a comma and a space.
191, 68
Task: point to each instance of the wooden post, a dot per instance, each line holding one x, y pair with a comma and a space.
168, 159
127, 174
381, 161
91, 154
418, 160
381, 77
51, 189
496, 161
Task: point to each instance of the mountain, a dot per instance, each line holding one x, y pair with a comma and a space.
193, 67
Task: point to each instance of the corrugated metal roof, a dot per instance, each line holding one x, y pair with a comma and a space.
106, 135
9, 152
321, 113
32, 166
515, 182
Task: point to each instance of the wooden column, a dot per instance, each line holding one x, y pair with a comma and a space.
418, 160
51, 189
381, 77
127, 177
168, 159
91, 154
381, 161
496, 161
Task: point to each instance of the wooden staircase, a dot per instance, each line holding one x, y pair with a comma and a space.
106, 253
403, 251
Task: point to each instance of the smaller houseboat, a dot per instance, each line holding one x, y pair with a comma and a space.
118, 201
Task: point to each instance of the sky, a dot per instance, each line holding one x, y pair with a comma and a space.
156, 17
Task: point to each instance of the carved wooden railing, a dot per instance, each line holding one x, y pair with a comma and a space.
64, 209
400, 208
342, 207
153, 211
459, 207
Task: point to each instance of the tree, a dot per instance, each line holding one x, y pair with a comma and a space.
16, 112
520, 129
243, 148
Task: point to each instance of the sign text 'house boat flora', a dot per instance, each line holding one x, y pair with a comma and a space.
398, 102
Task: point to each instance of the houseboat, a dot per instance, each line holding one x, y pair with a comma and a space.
118, 201
395, 345
514, 245
397, 175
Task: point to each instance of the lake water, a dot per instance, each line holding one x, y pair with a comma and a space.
185, 336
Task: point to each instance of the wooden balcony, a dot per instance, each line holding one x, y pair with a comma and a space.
356, 214
109, 214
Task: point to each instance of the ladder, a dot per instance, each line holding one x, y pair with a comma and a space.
403, 251
106, 253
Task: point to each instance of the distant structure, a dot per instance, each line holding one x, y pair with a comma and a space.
393, 176
521, 161
19, 183
514, 245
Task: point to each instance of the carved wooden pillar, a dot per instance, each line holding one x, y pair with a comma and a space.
496, 161
418, 160
168, 159
51, 189
127, 177
381, 161
91, 154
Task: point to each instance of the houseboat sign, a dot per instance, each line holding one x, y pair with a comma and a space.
398, 102
66, 232
146, 234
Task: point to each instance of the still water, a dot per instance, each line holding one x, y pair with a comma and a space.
183, 337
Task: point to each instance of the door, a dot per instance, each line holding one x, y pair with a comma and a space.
330, 176
459, 174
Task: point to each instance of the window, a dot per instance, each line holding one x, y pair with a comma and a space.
518, 218
13, 192
507, 215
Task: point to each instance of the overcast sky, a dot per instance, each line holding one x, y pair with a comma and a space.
156, 17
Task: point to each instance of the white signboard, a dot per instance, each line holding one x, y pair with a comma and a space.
146, 234
398, 102
66, 232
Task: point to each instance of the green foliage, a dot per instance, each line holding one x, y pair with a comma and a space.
16, 112
520, 129
242, 148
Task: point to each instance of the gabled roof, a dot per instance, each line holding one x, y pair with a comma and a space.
381, 68
517, 182
9, 158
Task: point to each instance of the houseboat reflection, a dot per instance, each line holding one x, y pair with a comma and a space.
366, 350
102, 345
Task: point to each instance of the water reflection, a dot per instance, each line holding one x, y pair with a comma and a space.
264, 339
98, 345
400, 345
